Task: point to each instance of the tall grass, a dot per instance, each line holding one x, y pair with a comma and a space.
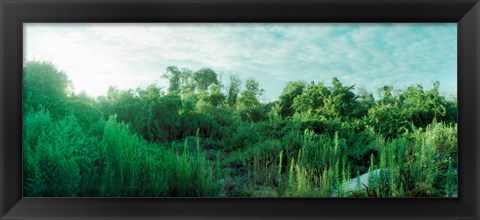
109, 159
124, 164
419, 164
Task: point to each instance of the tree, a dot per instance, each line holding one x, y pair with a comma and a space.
125, 104
344, 101
290, 92
85, 98
421, 107
252, 86
312, 102
216, 97
248, 105
387, 120
188, 85
274, 116
366, 101
204, 78
386, 94
45, 87
233, 89
246, 100
180, 81
173, 75
151, 93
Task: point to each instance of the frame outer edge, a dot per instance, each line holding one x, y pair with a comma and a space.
476, 206
4, 207
471, 51
9, 17
477, 153
2, 154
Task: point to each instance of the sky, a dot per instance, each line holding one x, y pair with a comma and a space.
128, 56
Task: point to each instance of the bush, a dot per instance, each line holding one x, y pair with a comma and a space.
51, 150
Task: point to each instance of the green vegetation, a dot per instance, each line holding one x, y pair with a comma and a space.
203, 137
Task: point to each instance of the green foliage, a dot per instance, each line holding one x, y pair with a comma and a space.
419, 164
120, 165
85, 113
421, 107
52, 162
386, 119
343, 99
311, 103
198, 138
233, 90
291, 91
204, 78
216, 97
38, 92
173, 75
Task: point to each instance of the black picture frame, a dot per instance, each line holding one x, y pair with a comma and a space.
13, 13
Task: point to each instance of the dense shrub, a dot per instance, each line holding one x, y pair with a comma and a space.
201, 138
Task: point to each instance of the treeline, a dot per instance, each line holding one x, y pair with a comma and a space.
202, 136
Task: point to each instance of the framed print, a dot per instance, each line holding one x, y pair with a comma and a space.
239, 109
